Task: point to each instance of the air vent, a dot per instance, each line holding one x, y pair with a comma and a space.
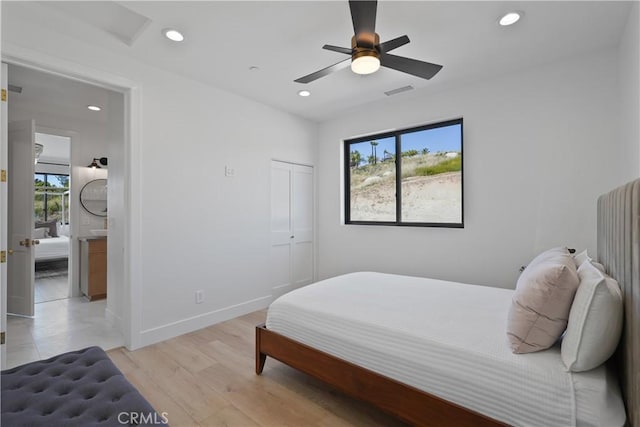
399, 90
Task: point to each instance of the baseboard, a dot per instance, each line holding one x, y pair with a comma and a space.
170, 330
278, 291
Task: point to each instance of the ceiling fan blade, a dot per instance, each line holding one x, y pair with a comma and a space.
338, 49
330, 69
363, 15
426, 70
393, 44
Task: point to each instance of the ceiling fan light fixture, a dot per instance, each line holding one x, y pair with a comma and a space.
510, 18
366, 63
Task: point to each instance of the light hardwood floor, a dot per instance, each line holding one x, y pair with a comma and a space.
207, 378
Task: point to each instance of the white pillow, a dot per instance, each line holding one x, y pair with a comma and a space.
581, 257
41, 233
595, 321
63, 229
599, 266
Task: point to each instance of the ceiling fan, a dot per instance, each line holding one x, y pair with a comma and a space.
367, 53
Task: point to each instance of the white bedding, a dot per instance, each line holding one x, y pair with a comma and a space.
52, 248
448, 339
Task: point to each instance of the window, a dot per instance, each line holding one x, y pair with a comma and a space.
420, 187
49, 197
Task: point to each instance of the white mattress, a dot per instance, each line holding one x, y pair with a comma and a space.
447, 339
52, 248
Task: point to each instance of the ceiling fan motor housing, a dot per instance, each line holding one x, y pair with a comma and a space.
365, 44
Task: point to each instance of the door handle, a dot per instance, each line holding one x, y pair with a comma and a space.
29, 242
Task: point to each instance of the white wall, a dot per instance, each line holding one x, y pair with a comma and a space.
539, 147
629, 92
197, 230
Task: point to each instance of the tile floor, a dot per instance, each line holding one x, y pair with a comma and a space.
50, 287
59, 326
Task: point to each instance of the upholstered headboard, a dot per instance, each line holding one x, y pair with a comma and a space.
619, 251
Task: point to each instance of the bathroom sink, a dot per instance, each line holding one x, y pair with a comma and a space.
100, 232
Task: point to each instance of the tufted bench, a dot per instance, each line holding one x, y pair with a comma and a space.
79, 388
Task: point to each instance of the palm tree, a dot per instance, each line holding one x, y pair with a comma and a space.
373, 151
356, 159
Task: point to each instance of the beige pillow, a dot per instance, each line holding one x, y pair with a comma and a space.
542, 301
595, 321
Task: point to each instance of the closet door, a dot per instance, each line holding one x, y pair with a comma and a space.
302, 212
291, 226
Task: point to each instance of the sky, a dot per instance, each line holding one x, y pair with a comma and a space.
444, 139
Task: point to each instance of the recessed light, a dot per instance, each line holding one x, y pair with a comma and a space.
510, 18
94, 108
173, 35
254, 68
304, 93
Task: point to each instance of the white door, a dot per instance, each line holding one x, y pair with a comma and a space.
302, 213
21, 264
3, 214
291, 226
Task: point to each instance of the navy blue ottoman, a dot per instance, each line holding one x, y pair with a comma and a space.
79, 388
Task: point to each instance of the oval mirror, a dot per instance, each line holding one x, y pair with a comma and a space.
93, 197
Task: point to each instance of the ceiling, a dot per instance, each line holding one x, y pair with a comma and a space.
44, 92
56, 149
223, 39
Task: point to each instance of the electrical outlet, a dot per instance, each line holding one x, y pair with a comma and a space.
229, 171
199, 297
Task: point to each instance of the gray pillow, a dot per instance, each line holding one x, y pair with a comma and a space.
53, 229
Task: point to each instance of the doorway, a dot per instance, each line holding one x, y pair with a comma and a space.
52, 188
63, 318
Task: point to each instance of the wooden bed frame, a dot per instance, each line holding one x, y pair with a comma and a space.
618, 250
405, 402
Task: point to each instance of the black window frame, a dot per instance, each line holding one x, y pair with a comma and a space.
45, 197
397, 134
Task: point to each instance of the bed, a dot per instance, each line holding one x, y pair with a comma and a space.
436, 363
52, 248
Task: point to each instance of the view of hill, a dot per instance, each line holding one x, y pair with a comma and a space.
431, 189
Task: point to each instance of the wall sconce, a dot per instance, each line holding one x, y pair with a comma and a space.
94, 164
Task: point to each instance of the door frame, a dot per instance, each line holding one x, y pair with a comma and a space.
4, 211
132, 310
